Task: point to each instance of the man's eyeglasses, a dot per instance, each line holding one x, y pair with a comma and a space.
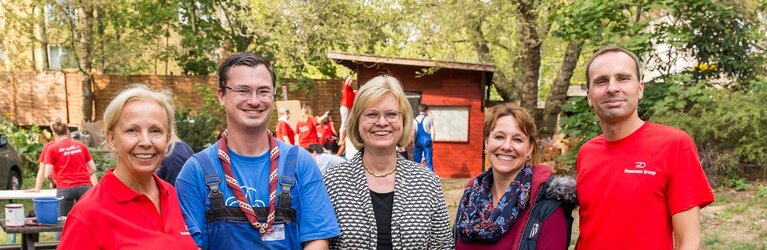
246, 92
389, 116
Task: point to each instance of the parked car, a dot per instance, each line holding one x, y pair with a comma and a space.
10, 166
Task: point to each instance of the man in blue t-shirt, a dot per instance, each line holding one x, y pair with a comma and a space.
248, 157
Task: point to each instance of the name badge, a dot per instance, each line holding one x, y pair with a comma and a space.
278, 233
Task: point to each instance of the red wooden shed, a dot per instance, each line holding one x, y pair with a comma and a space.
455, 93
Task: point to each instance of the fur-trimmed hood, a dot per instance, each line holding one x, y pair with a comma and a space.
562, 188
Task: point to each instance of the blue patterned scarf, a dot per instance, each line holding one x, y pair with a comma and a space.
478, 221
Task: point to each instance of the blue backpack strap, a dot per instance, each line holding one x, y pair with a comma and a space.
211, 179
288, 180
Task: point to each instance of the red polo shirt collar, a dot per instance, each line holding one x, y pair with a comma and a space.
121, 192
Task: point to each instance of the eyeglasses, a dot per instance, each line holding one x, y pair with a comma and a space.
246, 92
389, 116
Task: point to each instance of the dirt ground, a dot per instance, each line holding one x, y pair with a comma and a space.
736, 220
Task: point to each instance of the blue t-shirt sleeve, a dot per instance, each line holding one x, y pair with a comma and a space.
317, 219
193, 197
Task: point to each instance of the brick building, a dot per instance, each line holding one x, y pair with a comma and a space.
455, 92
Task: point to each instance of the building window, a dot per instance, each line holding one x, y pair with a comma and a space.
451, 123
59, 57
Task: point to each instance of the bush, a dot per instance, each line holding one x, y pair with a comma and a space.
200, 129
25, 141
577, 121
727, 126
197, 129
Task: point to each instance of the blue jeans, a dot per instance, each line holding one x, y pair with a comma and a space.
68, 196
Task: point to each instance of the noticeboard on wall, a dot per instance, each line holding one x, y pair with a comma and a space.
451, 123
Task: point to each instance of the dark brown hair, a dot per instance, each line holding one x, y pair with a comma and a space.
245, 59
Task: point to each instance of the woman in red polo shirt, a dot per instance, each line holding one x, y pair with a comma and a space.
132, 207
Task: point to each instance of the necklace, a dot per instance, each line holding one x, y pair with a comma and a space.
379, 175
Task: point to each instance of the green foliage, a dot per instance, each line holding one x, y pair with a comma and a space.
114, 37
728, 126
104, 160
761, 191
605, 22
25, 141
579, 122
737, 183
200, 129
722, 36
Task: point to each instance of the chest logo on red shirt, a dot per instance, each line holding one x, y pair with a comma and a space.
639, 169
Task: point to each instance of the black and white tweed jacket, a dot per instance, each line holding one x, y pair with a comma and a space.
419, 214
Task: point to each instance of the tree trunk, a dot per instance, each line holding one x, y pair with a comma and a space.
528, 63
87, 97
43, 39
559, 88
86, 60
480, 44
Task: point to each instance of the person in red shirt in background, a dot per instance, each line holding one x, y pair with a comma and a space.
70, 162
307, 127
328, 136
284, 130
640, 184
41, 171
347, 99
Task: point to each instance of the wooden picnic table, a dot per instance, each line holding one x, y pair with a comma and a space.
29, 233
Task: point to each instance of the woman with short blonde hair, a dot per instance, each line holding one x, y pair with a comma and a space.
132, 207
378, 189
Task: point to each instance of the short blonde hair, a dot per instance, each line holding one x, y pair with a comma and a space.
371, 92
141, 92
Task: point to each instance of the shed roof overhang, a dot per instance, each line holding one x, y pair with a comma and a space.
352, 60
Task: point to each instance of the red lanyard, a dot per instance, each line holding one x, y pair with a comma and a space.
274, 152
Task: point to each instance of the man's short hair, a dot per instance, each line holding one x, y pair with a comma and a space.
315, 148
242, 59
283, 110
423, 107
609, 49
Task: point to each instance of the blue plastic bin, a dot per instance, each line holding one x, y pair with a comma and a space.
47, 210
